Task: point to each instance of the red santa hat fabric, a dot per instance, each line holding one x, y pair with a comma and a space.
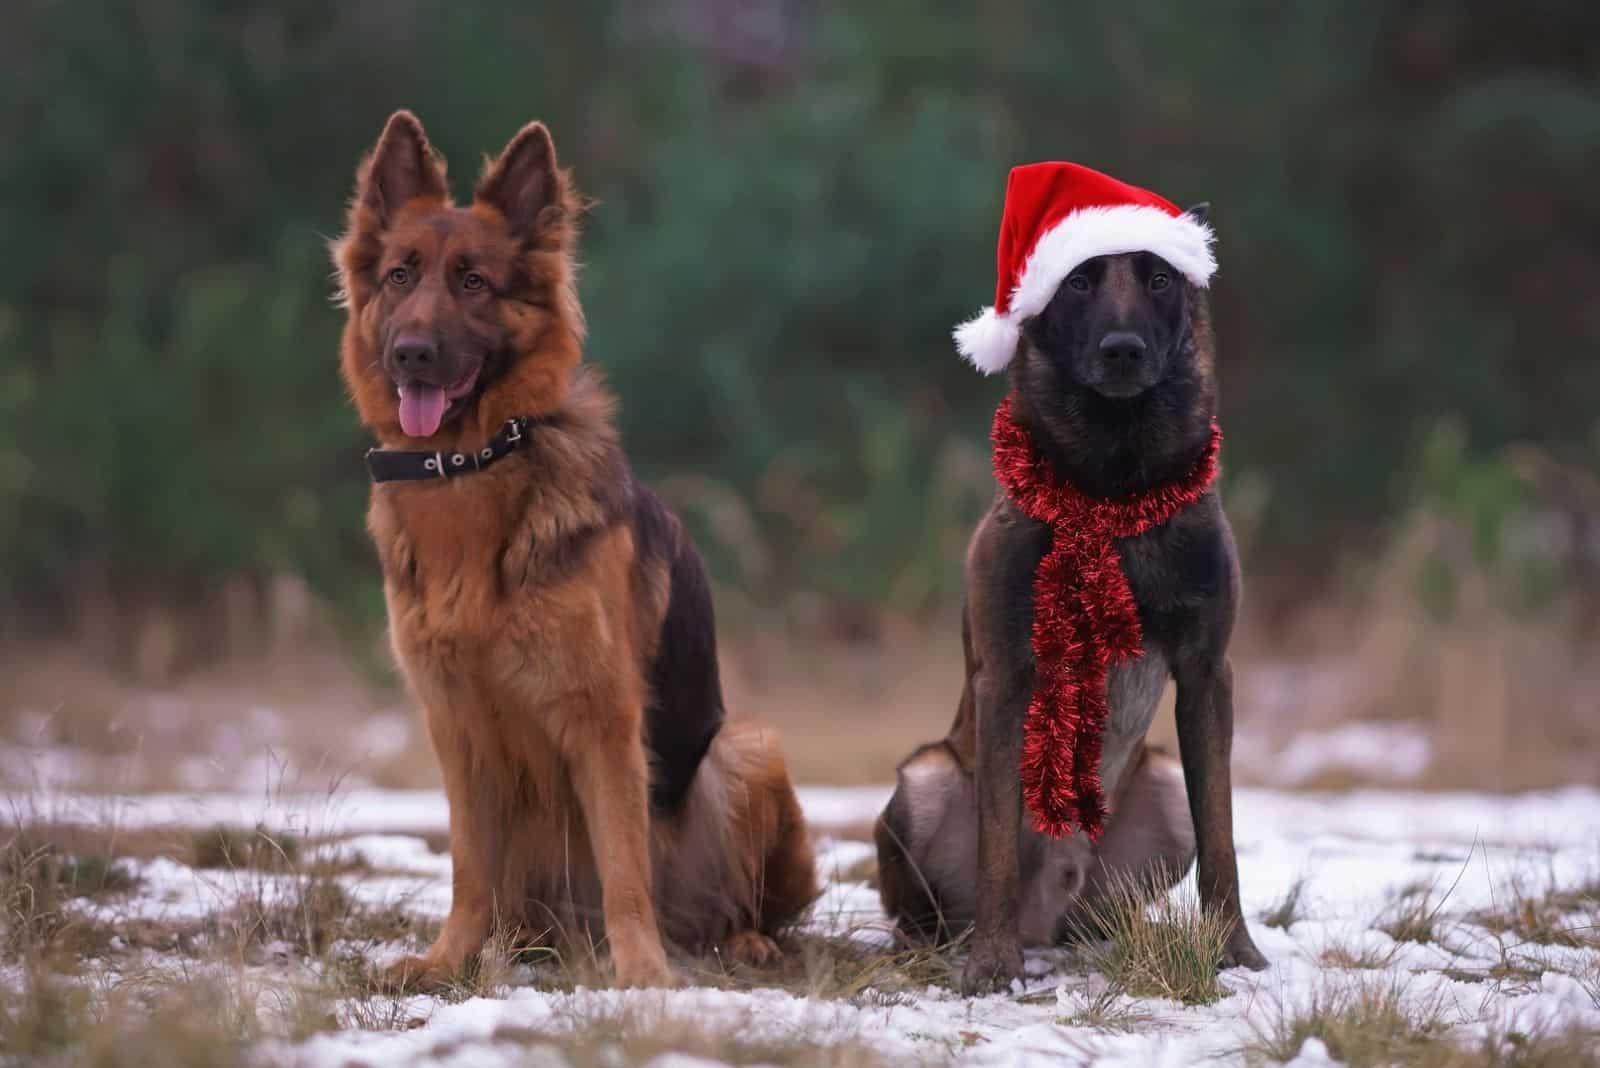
1056, 216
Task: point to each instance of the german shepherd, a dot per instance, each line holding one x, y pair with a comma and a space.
548, 612
951, 847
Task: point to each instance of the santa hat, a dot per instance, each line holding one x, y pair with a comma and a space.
1056, 216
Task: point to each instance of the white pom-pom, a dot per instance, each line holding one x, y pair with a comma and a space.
988, 341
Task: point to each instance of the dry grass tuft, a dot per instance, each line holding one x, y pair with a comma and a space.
314, 912
38, 882
1414, 916
233, 848
1111, 1012
1374, 1024
1363, 958
1161, 944
1550, 916
361, 1013
1568, 1048
193, 1024
308, 914
1589, 978
844, 969
1286, 912
1364, 1024
41, 1018
290, 895
1509, 975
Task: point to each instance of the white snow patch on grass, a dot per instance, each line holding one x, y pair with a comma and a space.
1359, 855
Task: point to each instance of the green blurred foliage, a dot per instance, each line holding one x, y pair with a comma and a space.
788, 225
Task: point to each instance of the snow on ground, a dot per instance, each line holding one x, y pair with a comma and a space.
1355, 853
1393, 753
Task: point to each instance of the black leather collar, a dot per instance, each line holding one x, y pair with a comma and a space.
396, 465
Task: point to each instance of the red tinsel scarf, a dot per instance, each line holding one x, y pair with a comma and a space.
1084, 619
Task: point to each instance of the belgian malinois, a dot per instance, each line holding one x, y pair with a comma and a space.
547, 610
1113, 381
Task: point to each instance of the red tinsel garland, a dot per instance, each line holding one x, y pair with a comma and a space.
1084, 619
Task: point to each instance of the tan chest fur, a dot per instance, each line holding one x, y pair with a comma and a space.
494, 650
439, 567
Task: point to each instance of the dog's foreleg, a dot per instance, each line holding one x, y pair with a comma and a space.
996, 957
477, 852
1205, 741
611, 777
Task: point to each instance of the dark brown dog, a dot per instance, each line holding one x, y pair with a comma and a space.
951, 846
549, 612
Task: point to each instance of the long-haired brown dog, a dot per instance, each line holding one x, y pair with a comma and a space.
549, 613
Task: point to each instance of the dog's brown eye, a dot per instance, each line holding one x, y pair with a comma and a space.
399, 276
472, 280
1079, 282
1159, 281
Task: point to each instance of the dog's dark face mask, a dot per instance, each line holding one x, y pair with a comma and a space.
1117, 326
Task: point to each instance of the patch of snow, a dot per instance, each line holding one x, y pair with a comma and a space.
389, 853
428, 897
1386, 752
44, 767
1357, 854
835, 807
1313, 1054
837, 856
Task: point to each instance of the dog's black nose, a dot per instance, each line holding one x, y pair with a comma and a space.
1122, 345
414, 353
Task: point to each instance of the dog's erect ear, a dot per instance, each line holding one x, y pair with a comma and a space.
402, 167
1200, 212
524, 183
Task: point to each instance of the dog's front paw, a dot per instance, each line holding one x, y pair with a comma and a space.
992, 967
644, 970
414, 975
1241, 951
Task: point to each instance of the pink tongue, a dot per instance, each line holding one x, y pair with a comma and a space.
421, 409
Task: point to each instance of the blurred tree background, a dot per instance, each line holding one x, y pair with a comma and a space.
797, 200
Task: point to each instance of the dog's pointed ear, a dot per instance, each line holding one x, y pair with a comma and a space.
1200, 212
401, 168
524, 183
